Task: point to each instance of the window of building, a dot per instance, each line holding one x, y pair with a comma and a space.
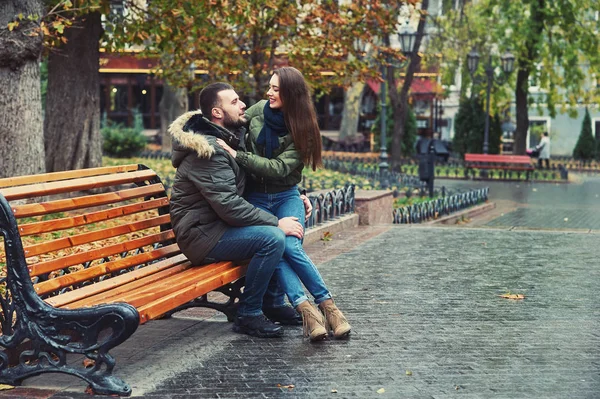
117, 6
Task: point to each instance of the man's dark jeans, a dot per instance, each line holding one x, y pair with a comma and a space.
264, 245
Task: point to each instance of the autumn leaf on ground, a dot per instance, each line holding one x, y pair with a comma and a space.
381, 390
290, 386
327, 236
87, 363
512, 296
4, 387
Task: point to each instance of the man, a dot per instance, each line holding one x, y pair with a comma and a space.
425, 148
211, 220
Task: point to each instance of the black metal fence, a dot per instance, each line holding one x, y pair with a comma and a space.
370, 171
331, 204
149, 154
452, 168
437, 208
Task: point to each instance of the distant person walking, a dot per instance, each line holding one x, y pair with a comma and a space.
544, 151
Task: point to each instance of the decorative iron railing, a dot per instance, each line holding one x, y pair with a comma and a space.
437, 208
331, 204
452, 169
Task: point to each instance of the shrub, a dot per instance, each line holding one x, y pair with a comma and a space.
469, 126
410, 130
123, 142
585, 149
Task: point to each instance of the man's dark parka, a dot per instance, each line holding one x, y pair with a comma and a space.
206, 197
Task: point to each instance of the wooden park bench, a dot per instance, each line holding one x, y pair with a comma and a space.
500, 162
89, 256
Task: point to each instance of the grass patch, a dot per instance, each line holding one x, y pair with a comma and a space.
408, 201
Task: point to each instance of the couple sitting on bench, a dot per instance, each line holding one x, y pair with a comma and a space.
213, 222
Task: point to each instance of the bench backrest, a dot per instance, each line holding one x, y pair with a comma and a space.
509, 159
118, 221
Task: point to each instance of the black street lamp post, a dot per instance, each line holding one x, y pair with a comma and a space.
383, 156
507, 63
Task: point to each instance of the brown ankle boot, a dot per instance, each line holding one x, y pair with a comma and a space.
335, 319
313, 322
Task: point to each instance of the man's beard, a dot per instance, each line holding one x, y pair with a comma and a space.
232, 124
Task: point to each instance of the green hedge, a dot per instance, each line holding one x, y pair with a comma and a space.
123, 142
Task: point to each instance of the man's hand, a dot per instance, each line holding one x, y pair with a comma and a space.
227, 147
291, 226
307, 206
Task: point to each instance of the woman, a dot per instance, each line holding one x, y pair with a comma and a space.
283, 137
543, 149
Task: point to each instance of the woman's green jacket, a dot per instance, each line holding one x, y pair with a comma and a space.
277, 174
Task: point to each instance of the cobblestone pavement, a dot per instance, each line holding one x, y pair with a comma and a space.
427, 321
574, 206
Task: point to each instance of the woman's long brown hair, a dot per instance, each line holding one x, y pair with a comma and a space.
300, 116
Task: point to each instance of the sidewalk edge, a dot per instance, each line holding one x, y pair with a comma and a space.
333, 226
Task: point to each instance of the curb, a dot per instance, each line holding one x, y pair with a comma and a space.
333, 226
470, 212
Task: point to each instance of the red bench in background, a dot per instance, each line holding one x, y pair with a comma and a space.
501, 162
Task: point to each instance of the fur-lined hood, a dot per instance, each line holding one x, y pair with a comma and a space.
192, 132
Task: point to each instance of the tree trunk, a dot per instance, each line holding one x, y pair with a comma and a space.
21, 124
351, 113
72, 124
537, 21
522, 116
399, 104
173, 103
399, 101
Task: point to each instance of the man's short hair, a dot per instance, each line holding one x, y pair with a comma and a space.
546, 134
209, 97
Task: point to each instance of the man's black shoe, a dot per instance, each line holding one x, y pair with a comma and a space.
285, 315
257, 326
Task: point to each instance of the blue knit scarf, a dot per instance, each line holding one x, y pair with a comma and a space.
273, 128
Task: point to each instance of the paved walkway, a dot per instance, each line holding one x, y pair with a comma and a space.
552, 206
428, 321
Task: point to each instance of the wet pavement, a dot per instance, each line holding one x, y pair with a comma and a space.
428, 320
539, 205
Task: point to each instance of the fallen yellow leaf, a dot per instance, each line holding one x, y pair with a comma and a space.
5, 387
327, 236
290, 386
512, 296
381, 390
